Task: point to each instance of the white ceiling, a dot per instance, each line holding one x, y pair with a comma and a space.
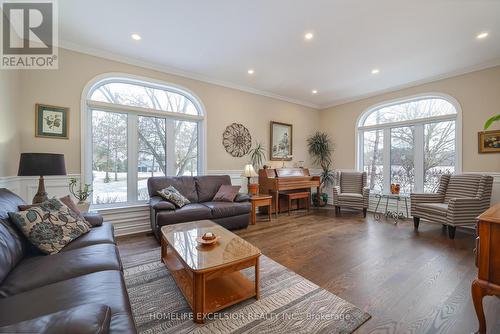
219, 40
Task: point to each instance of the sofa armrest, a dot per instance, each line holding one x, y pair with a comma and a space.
83, 319
93, 218
464, 211
242, 198
158, 204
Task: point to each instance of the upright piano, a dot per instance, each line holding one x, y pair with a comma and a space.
273, 181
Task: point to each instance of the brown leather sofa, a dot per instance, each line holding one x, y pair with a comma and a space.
78, 290
199, 190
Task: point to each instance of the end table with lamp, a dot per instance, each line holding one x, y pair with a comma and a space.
41, 164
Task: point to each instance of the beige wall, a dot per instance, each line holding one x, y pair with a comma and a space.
9, 114
478, 94
63, 87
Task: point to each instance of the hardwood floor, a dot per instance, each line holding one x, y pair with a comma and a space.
410, 282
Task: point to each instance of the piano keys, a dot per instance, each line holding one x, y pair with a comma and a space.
274, 181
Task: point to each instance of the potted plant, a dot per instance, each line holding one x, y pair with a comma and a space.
257, 156
320, 148
80, 193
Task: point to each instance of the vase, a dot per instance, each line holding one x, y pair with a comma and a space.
83, 206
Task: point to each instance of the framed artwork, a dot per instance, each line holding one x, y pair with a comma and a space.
489, 141
281, 141
51, 121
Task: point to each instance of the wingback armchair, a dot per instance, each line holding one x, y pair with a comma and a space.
351, 191
457, 202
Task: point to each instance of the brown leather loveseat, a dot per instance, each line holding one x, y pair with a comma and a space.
199, 190
78, 290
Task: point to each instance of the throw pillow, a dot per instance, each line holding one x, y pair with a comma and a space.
49, 226
226, 193
66, 200
173, 195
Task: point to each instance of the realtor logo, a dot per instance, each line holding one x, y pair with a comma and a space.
29, 35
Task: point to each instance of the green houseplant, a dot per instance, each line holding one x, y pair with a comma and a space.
81, 193
257, 156
320, 148
491, 120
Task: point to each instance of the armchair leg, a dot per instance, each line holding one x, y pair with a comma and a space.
416, 221
451, 232
337, 210
364, 213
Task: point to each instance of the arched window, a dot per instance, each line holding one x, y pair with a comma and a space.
411, 142
137, 128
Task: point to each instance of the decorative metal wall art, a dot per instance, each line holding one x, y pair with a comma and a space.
236, 140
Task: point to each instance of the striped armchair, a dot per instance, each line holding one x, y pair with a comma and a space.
458, 201
351, 191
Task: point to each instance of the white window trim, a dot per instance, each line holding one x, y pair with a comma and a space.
87, 105
359, 130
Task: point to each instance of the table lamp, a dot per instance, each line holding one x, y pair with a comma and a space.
41, 164
249, 172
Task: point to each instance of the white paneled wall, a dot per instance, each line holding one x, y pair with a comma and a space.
135, 219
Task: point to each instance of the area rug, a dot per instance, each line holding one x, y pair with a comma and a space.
288, 303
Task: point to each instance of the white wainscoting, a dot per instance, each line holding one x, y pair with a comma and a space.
135, 219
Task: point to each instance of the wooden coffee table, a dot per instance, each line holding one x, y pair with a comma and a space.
209, 276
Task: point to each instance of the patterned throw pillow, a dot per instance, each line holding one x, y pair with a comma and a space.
49, 226
173, 195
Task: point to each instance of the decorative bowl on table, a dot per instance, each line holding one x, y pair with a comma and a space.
208, 238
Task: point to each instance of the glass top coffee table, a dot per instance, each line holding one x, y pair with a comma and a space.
396, 215
209, 276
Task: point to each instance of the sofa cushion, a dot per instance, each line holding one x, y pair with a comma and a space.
207, 186
189, 212
98, 235
173, 196
227, 209
61, 266
104, 287
347, 196
226, 193
84, 319
50, 226
184, 184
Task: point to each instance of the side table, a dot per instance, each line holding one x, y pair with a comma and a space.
258, 201
395, 214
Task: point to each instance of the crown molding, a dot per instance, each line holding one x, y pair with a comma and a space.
63, 44
489, 64
174, 71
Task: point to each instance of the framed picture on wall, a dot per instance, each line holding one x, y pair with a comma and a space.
281, 141
489, 141
51, 121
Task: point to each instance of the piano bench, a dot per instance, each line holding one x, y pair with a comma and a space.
297, 196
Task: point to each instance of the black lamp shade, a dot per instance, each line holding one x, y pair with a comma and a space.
41, 164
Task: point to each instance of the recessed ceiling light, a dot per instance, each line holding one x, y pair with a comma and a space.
309, 36
250, 71
482, 35
314, 91
375, 71
136, 37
